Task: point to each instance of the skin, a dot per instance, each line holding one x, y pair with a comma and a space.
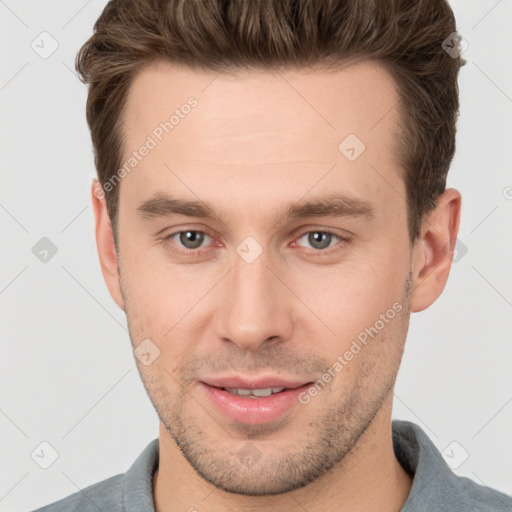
257, 142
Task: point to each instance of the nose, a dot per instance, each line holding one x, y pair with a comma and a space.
256, 307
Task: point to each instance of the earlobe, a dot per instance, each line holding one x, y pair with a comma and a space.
433, 251
105, 243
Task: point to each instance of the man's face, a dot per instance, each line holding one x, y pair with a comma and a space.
264, 294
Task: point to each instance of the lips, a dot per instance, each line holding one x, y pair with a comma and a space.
259, 409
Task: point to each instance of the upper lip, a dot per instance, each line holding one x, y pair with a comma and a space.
239, 382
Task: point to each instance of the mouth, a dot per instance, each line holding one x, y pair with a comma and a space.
254, 393
254, 405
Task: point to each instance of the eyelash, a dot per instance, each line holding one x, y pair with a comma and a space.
167, 240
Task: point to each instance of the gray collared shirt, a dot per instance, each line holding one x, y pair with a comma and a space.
435, 487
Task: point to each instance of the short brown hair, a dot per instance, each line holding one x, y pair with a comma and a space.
406, 36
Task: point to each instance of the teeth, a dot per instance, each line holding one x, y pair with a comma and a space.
254, 392
261, 392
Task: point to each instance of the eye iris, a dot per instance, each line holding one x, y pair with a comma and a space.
191, 239
324, 239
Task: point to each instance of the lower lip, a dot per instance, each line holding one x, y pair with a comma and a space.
253, 411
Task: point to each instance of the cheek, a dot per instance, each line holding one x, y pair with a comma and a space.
163, 299
358, 323
352, 295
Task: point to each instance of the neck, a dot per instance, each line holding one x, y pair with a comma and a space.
368, 478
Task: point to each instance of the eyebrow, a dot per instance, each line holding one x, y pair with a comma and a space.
332, 205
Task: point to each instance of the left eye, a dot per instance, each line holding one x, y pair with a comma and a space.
190, 239
320, 239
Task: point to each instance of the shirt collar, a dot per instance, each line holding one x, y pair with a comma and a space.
138, 485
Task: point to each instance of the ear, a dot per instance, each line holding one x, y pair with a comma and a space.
433, 251
105, 243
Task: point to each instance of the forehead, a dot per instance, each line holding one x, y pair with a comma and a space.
352, 99
284, 129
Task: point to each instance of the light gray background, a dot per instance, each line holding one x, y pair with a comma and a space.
67, 373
